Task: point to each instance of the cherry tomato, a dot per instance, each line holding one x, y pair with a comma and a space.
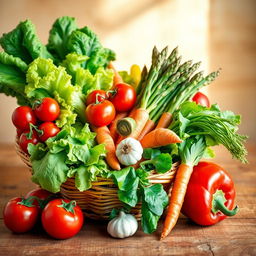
124, 98
201, 99
43, 195
62, 218
24, 140
47, 110
100, 114
49, 129
91, 98
20, 215
22, 117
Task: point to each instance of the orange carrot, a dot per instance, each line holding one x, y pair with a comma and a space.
103, 137
112, 127
147, 128
165, 120
117, 78
159, 137
141, 116
177, 197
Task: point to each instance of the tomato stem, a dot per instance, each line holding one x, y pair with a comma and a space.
98, 95
36, 103
111, 92
31, 127
27, 201
69, 207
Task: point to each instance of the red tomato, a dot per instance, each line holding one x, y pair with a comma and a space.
62, 218
91, 98
22, 117
24, 140
20, 215
100, 114
49, 129
124, 98
43, 195
201, 99
47, 110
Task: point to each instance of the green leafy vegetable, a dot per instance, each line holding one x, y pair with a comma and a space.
133, 187
101, 80
150, 153
161, 162
72, 152
192, 149
44, 78
13, 77
126, 77
215, 126
155, 198
22, 42
85, 42
59, 34
50, 171
149, 220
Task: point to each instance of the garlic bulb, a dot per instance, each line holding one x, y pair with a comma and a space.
124, 225
129, 151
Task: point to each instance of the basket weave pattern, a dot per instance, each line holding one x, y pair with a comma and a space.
98, 201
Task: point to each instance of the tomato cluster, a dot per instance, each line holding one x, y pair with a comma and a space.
60, 218
37, 124
102, 106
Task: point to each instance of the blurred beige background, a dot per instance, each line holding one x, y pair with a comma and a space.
219, 33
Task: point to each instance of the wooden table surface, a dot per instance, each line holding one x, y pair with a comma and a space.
233, 236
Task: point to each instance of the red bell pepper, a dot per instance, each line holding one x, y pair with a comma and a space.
210, 195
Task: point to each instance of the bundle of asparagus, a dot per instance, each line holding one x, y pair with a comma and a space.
165, 87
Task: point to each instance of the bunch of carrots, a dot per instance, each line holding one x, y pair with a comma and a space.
162, 89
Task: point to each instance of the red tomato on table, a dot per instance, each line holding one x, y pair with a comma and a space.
20, 215
62, 218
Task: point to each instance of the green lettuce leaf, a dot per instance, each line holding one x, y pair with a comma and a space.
50, 171
85, 42
22, 42
72, 152
46, 79
101, 80
149, 220
13, 77
58, 37
85, 175
127, 78
156, 198
78, 143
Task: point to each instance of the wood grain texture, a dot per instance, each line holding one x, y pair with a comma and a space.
233, 236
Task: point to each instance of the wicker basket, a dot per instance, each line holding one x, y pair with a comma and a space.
98, 201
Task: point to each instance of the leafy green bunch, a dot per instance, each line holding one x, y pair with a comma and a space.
214, 126
72, 64
71, 153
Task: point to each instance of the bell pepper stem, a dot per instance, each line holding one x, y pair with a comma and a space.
218, 204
